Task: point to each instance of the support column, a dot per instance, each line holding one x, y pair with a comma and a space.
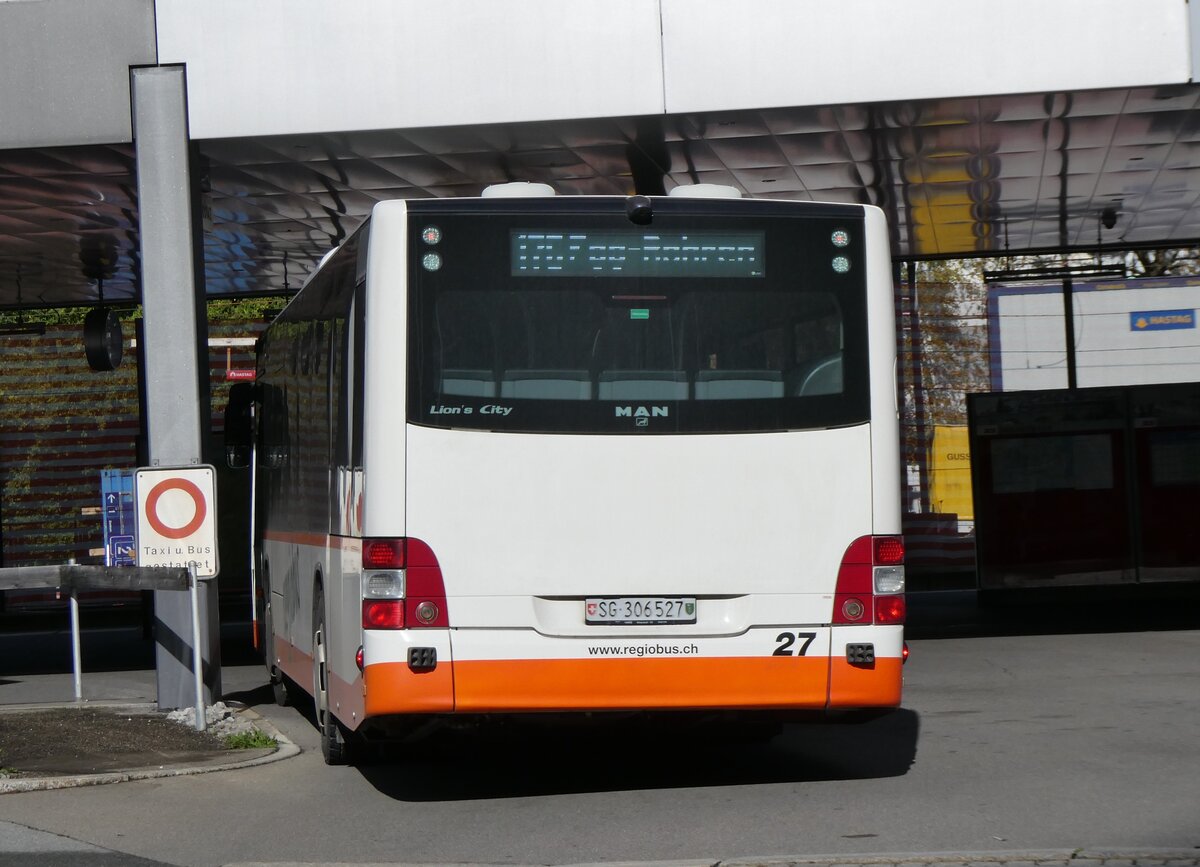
170, 352
1068, 299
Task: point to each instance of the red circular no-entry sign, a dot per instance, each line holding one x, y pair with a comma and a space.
189, 488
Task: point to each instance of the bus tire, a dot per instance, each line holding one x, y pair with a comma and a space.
280, 691
335, 747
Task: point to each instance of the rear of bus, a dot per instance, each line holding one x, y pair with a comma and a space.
648, 457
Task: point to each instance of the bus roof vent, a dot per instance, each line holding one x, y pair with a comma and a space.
705, 191
518, 190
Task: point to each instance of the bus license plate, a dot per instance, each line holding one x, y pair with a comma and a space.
640, 610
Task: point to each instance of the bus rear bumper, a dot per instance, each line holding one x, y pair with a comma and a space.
805, 668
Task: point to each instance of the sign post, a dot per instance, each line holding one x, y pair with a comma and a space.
177, 527
197, 661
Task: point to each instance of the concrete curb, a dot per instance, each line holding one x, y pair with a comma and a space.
285, 750
1077, 856
1083, 857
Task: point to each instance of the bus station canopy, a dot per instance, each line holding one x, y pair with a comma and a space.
1039, 127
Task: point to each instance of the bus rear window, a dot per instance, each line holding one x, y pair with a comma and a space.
638, 346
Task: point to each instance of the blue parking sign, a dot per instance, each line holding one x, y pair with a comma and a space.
121, 551
120, 519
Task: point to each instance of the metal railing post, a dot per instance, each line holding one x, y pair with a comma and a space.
76, 654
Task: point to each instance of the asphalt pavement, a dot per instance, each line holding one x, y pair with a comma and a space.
110, 686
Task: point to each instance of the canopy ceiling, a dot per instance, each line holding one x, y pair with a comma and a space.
955, 178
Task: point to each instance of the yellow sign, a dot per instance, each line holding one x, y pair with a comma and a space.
950, 471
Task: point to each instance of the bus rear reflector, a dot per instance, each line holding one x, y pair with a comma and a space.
852, 609
870, 582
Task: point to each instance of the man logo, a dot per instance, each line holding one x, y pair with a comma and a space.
643, 412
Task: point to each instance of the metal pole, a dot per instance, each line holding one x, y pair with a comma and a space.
76, 656
253, 517
173, 350
921, 454
197, 656
1068, 296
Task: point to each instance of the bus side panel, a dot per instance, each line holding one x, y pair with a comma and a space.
385, 320
281, 559
346, 698
294, 560
343, 595
293, 601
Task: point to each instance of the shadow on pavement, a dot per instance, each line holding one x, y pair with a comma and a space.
535, 760
108, 642
260, 696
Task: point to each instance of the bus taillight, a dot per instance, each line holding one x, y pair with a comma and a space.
383, 553
889, 550
889, 609
402, 585
383, 614
870, 584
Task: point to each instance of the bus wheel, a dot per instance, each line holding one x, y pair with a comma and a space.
334, 746
280, 691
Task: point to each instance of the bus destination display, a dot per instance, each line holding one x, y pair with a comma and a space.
544, 253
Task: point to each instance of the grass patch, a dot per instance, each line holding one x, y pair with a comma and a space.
249, 740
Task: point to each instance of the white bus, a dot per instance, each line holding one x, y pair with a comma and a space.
526, 453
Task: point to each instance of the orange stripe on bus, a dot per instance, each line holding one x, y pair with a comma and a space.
611, 684
392, 687
315, 540
877, 685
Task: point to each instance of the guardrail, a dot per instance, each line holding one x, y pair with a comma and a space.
73, 577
